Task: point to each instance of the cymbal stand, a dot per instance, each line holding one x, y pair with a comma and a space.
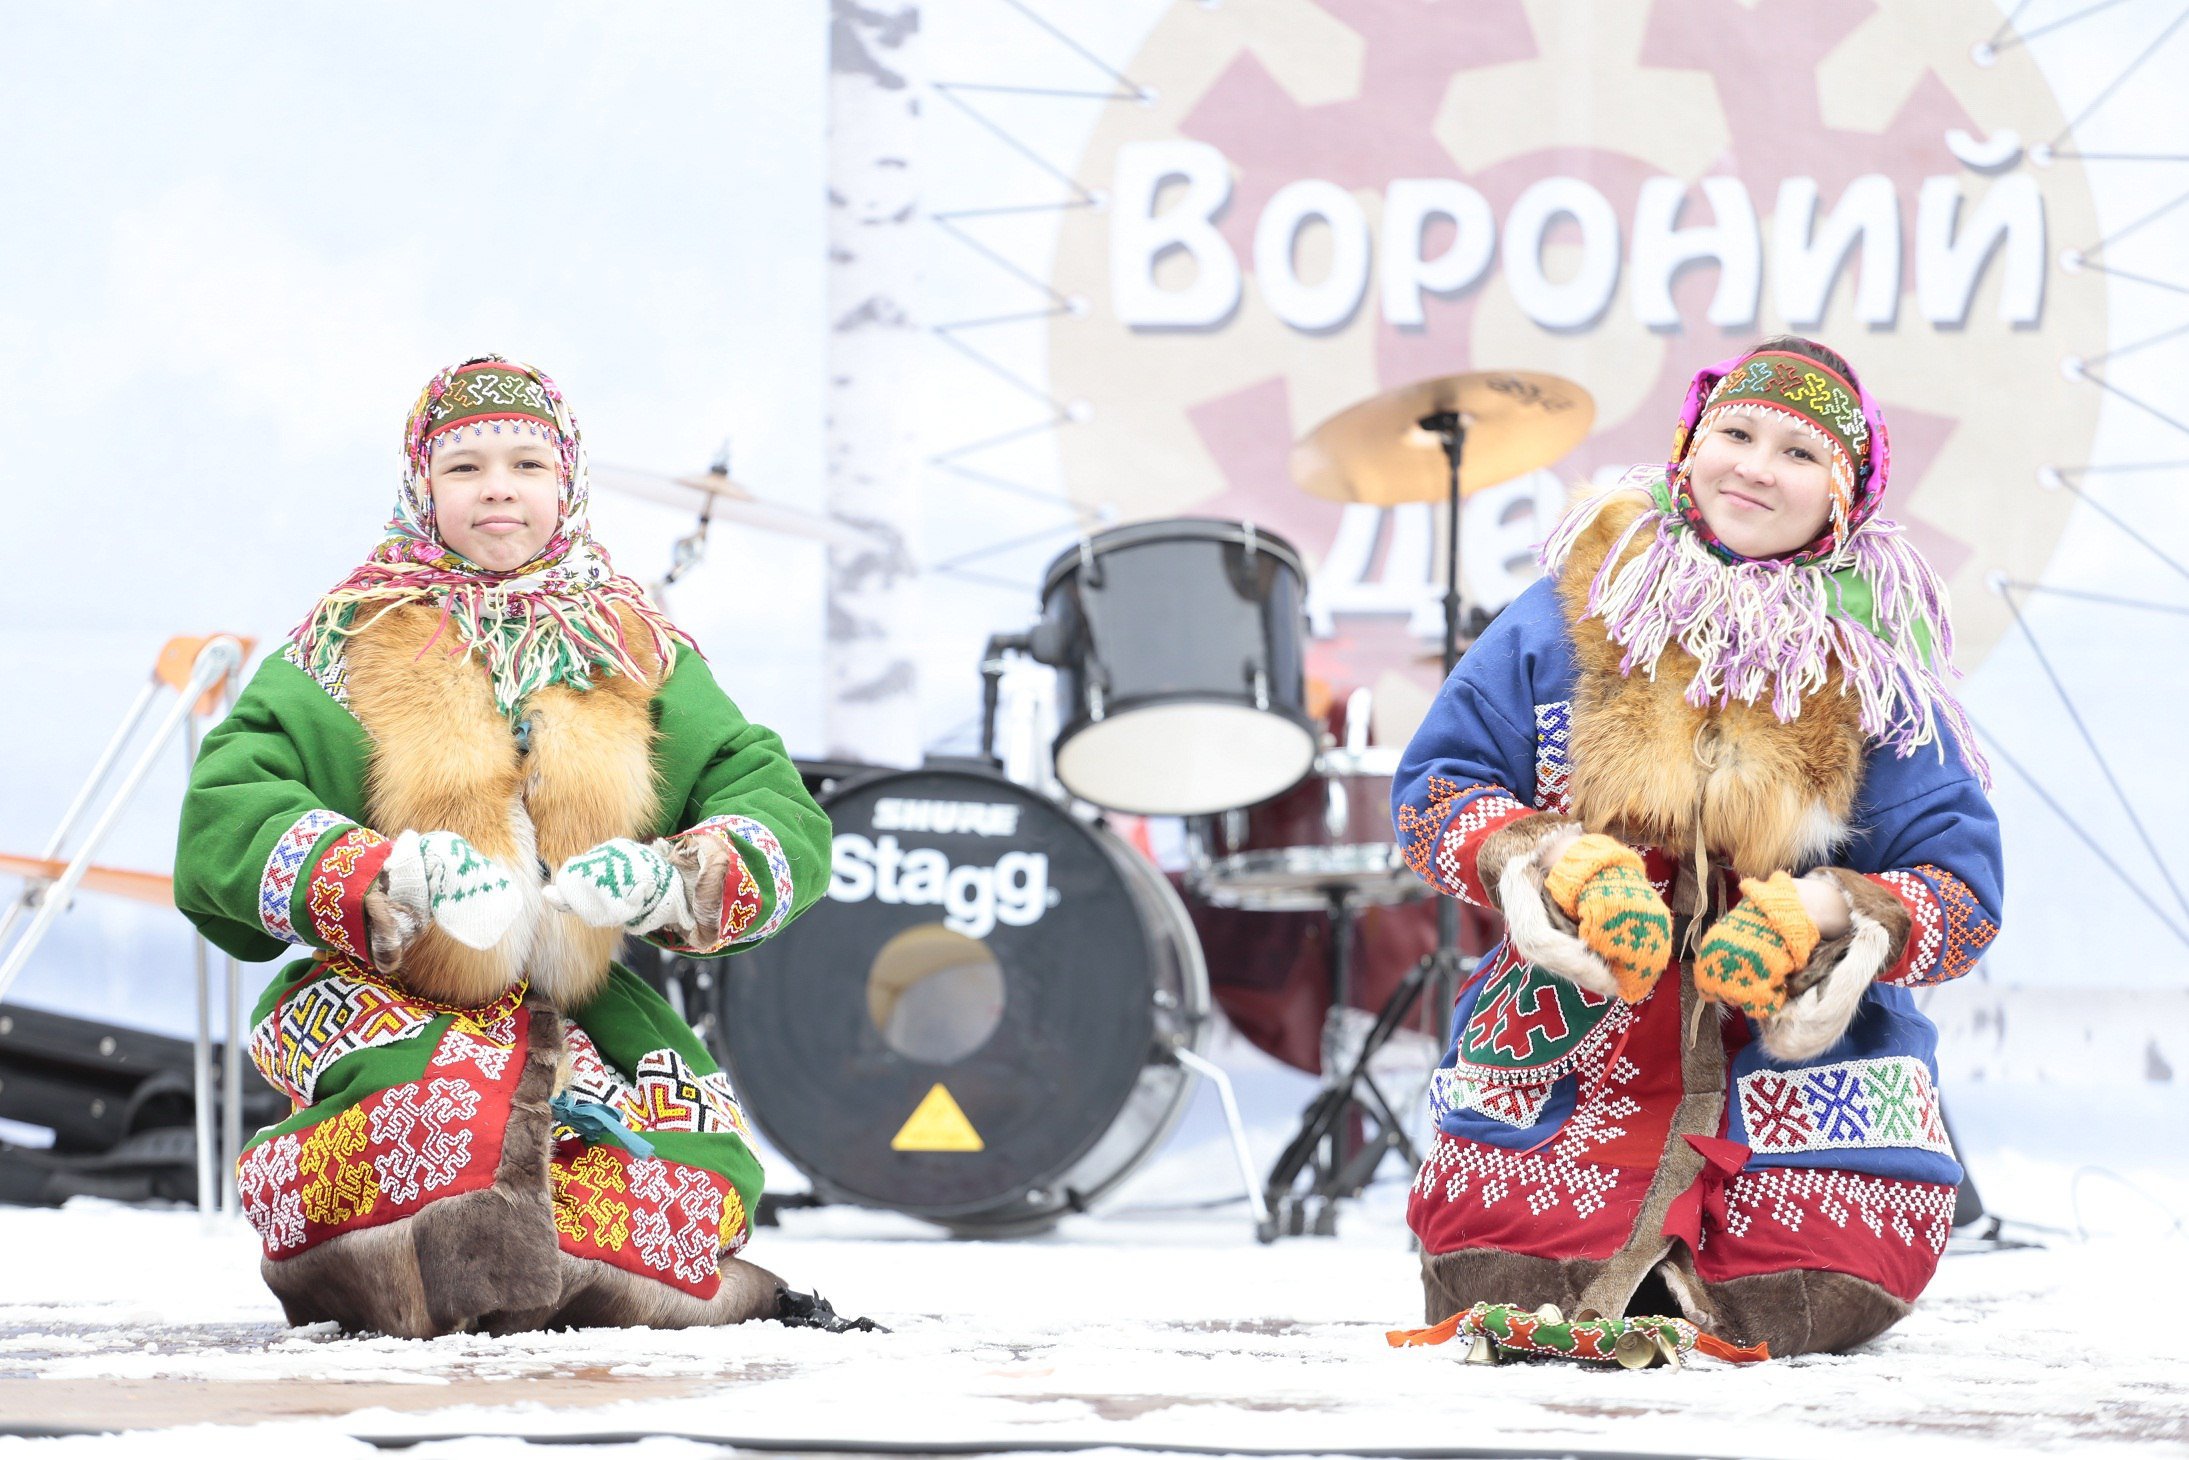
1318, 1141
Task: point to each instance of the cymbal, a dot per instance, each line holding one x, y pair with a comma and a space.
1376, 451
727, 500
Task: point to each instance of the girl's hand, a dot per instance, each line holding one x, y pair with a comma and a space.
1824, 902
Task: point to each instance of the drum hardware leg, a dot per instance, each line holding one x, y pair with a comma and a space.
201, 1082
231, 1090
1337, 1146
1264, 1225
1324, 1223
992, 665
1330, 1106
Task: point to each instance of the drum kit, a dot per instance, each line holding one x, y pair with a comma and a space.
1001, 1015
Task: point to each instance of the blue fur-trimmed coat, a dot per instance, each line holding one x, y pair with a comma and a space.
1497, 745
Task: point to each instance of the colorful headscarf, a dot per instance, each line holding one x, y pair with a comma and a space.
552, 621
1859, 595
1815, 398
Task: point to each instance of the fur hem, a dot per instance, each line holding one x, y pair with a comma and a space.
1452, 1282
596, 1295
1800, 1311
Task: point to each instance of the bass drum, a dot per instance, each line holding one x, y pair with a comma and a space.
976, 1026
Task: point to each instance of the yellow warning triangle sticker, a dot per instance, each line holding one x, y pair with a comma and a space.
937, 1124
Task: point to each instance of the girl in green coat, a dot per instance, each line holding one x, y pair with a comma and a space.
482, 761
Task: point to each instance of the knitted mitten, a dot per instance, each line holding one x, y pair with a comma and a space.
1601, 885
439, 875
623, 884
1751, 951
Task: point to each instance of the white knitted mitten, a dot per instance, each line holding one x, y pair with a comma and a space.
623, 884
439, 875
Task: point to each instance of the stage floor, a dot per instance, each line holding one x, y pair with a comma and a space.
1159, 1325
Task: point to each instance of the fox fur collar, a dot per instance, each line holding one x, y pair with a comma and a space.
444, 758
1652, 769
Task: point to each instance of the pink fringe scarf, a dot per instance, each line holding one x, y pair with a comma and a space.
1776, 628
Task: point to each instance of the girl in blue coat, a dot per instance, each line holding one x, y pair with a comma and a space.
1709, 773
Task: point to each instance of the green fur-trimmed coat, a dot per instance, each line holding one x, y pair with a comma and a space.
409, 1088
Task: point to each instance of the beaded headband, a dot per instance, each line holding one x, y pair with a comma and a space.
489, 396
1811, 395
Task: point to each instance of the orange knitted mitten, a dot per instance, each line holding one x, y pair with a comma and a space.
1601, 885
1751, 951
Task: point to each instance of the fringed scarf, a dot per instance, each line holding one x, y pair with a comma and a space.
554, 620
1860, 596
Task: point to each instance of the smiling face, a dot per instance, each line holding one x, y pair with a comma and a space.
1762, 481
497, 497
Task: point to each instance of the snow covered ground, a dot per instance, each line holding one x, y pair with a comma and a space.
1159, 1325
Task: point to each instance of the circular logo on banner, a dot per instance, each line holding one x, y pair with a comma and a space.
1323, 201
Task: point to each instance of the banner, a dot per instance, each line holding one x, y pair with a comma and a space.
1174, 237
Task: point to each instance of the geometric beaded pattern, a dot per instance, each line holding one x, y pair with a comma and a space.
1553, 768
1534, 1028
1439, 852
1968, 931
375, 1161
1852, 1105
1456, 863
349, 1009
740, 898
1548, 1177
1518, 1106
1543, 1181
664, 1093
1926, 925
771, 851
277, 885
1949, 932
659, 1218
1918, 1213
334, 677
1418, 826
339, 880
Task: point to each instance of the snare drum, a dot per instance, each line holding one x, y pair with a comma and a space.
1330, 835
1182, 651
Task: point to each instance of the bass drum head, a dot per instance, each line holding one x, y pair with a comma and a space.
966, 1028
